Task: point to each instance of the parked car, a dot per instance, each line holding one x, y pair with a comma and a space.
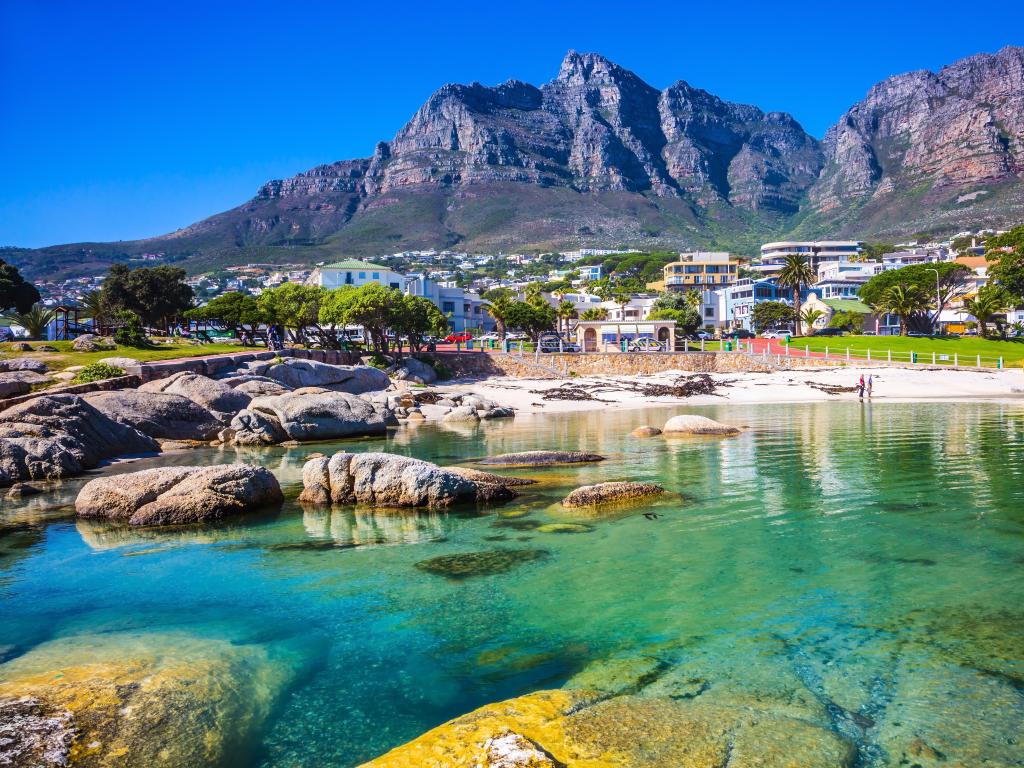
6, 334
827, 332
704, 335
552, 342
918, 334
457, 338
776, 333
492, 336
516, 336
741, 333
646, 345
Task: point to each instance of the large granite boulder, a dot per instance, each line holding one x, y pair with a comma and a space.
389, 480
25, 377
306, 414
215, 396
88, 342
13, 387
157, 414
354, 379
690, 424
256, 386
23, 364
416, 371
541, 458
611, 493
139, 700
54, 436
178, 495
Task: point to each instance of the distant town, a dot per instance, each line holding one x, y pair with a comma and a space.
729, 286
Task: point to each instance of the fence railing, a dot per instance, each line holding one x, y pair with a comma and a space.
910, 357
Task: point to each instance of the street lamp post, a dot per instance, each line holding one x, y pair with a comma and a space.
938, 297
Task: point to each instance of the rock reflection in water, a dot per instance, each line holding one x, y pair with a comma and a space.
372, 527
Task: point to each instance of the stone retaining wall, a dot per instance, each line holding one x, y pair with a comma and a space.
215, 364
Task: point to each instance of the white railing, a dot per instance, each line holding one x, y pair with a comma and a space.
933, 358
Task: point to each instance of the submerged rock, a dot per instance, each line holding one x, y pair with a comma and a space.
479, 476
690, 424
541, 458
611, 493
645, 431
564, 528
579, 728
389, 480
178, 495
55, 436
137, 701
157, 414
489, 562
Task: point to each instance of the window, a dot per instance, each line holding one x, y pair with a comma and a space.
709, 311
393, 285
448, 307
362, 275
376, 275
348, 278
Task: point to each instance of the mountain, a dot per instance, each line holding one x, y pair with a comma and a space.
926, 151
599, 157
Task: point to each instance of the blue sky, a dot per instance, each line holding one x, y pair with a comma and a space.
125, 120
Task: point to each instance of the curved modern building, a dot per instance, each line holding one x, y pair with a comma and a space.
816, 251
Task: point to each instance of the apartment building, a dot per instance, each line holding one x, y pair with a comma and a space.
701, 269
356, 273
773, 255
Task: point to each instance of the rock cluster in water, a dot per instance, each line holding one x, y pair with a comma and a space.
179, 495
389, 480
486, 563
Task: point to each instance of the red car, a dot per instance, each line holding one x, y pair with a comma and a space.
456, 338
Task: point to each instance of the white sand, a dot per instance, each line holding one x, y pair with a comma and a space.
890, 384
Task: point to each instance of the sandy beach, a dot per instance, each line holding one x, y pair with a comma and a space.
812, 385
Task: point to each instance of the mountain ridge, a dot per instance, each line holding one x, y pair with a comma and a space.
598, 156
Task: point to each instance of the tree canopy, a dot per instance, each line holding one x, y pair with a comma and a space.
235, 311
1007, 251
952, 284
156, 294
769, 314
15, 291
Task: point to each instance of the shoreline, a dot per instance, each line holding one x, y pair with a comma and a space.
892, 385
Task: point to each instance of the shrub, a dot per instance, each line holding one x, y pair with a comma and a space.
129, 332
97, 372
378, 360
443, 371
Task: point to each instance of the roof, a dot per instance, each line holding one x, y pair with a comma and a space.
355, 264
849, 305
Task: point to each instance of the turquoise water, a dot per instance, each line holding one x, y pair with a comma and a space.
870, 557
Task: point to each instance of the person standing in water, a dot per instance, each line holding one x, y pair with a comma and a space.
860, 387
871, 383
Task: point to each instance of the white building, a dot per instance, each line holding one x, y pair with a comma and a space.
773, 255
911, 256
590, 272
356, 273
465, 311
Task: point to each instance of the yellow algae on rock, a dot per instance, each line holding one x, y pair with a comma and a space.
124, 700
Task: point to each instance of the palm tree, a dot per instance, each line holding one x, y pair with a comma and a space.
499, 308
1018, 329
990, 301
594, 313
566, 311
34, 321
796, 272
92, 307
904, 301
810, 316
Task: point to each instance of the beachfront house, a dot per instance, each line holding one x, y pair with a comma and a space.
356, 273
619, 336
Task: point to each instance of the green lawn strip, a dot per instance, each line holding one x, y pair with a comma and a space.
966, 349
66, 357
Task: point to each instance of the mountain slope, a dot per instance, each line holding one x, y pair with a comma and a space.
927, 150
599, 157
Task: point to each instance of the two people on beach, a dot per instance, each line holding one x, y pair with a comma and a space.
865, 386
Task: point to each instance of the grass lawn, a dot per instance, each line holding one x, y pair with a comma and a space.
65, 357
967, 348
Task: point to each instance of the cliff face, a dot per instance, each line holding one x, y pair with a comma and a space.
596, 127
599, 157
925, 148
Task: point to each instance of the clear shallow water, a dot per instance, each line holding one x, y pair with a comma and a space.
858, 555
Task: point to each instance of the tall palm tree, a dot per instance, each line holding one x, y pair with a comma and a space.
990, 301
796, 272
499, 308
594, 313
92, 307
34, 321
904, 301
566, 312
